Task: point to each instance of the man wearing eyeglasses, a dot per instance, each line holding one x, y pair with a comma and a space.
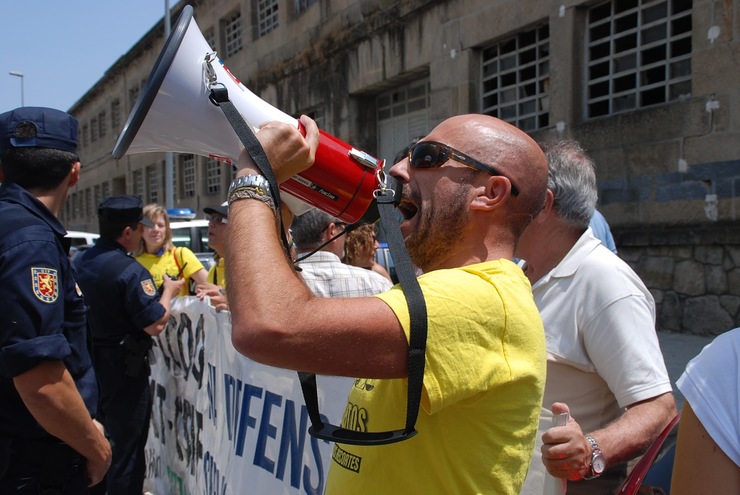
469, 189
604, 366
215, 289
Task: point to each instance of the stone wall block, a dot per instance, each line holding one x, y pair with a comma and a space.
716, 278
711, 255
669, 313
733, 282
656, 273
689, 278
705, 316
732, 305
734, 254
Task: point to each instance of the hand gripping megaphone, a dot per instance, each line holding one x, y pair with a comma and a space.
174, 113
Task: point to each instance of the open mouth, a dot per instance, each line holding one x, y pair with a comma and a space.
408, 209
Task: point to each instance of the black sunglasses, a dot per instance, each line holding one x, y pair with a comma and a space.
431, 154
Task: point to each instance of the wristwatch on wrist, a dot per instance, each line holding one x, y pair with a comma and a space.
598, 463
251, 180
251, 187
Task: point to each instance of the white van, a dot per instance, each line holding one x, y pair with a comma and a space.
80, 238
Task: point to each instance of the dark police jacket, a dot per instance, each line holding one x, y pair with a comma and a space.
119, 291
42, 313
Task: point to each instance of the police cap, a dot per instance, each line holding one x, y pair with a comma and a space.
123, 209
38, 127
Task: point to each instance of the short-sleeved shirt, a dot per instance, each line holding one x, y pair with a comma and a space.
327, 276
217, 273
483, 383
711, 385
169, 263
43, 316
603, 352
122, 296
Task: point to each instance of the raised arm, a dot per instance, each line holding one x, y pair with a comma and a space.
275, 318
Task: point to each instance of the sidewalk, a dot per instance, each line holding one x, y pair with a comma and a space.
678, 349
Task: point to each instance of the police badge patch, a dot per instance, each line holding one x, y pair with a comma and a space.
148, 286
45, 284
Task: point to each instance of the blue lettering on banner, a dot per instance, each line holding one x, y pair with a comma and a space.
215, 482
266, 430
237, 411
238, 397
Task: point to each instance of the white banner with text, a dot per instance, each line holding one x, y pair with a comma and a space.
223, 424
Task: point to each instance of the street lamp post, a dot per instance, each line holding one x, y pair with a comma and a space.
19, 74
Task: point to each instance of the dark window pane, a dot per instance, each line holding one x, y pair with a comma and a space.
652, 55
655, 12
626, 102
624, 63
652, 96
624, 83
681, 47
627, 42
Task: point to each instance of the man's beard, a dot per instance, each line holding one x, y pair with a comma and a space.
438, 230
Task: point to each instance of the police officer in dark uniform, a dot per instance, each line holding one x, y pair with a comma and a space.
49, 441
125, 312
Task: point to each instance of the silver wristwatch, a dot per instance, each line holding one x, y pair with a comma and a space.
251, 180
598, 463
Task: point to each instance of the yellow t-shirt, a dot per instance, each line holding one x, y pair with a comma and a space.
483, 385
170, 262
217, 273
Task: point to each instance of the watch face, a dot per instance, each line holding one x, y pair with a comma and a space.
598, 464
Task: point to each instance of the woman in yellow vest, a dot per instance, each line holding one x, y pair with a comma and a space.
160, 256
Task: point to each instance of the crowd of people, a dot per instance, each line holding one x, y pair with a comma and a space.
540, 370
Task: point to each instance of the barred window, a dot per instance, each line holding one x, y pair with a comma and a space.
188, 175
153, 180
94, 129
515, 77
106, 190
639, 54
103, 129
213, 176
115, 114
233, 33
210, 36
88, 203
133, 95
96, 197
302, 5
267, 16
138, 176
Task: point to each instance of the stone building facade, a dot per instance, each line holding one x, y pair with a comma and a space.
649, 88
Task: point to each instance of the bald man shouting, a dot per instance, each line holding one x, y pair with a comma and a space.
469, 189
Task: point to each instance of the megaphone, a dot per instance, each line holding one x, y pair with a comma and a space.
174, 112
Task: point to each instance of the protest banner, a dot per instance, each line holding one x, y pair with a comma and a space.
223, 424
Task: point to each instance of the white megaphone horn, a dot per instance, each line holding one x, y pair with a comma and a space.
174, 113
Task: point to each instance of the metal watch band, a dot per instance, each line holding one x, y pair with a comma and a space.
596, 458
251, 180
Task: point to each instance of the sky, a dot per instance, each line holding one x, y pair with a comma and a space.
63, 47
